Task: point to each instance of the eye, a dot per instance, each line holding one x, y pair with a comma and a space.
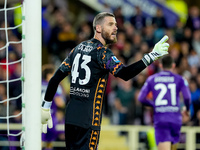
110, 24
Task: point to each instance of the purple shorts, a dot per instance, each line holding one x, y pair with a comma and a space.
167, 131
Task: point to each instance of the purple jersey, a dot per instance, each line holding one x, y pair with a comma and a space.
165, 87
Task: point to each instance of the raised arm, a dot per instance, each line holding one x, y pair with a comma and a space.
159, 50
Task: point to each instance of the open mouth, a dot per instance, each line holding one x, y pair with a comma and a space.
114, 33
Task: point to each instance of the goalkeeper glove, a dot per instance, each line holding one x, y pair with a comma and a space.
46, 119
159, 50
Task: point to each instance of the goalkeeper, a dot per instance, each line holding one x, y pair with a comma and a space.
89, 65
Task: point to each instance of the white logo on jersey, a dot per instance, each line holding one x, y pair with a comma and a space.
85, 48
80, 92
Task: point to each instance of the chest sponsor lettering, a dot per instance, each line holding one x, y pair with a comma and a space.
79, 92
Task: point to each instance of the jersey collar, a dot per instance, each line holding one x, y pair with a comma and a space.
97, 41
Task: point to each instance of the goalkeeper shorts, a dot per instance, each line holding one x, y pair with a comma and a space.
78, 138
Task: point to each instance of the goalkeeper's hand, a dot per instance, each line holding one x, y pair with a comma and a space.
159, 50
46, 118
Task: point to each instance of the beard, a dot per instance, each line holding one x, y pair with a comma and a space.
106, 36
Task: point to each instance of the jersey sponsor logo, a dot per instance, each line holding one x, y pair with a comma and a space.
79, 92
167, 109
115, 59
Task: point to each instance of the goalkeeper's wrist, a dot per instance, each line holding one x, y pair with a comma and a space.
148, 59
46, 104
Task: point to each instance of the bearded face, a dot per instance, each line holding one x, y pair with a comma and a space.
109, 37
109, 30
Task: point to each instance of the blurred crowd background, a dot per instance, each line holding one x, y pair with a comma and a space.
66, 23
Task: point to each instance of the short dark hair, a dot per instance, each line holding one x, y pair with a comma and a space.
99, 18
167, 61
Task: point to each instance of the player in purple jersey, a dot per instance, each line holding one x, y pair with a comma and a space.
89, 65
166, 87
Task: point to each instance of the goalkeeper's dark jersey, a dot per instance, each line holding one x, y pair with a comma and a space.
89, 65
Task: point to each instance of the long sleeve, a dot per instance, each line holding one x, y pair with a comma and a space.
186, 94
128, 72
53, 85
143, 94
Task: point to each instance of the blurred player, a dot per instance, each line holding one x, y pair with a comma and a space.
89, 65
166, 87
57, 104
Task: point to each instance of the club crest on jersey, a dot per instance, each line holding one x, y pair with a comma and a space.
115, 59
